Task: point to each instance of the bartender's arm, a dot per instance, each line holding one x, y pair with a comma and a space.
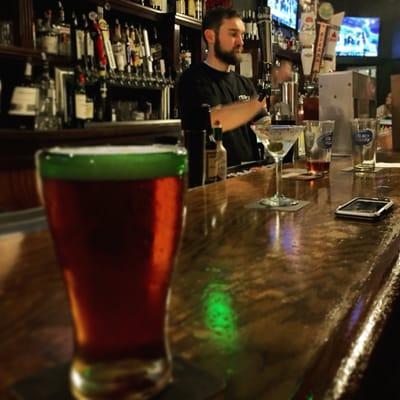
233, 115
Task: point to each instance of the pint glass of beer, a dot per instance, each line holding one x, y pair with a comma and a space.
115, 215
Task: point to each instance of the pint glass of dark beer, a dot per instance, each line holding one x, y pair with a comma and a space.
115, 214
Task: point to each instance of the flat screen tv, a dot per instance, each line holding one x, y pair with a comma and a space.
359, 37
284, 11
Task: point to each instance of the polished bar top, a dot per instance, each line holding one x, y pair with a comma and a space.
277, 304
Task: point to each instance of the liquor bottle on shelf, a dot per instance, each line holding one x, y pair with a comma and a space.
24, 101
185, 53
80, 100
156, 50
248, 26
191, 8
63, 32
254, 28
40, 33
77, 39
89, 62
102, 110
46, 117
199, 9
221, 154
180, 6
49, 40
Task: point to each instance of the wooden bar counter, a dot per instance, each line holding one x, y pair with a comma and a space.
279, 305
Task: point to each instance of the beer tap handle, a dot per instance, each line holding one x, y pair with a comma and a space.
147, 53
265, 40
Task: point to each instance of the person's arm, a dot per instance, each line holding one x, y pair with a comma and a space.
233, 115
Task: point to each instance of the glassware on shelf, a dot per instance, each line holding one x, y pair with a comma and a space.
278, 140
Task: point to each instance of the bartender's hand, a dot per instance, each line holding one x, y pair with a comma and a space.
231, 116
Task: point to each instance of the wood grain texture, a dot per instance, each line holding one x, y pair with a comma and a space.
269, 301
18, 189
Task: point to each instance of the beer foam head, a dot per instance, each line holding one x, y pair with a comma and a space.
111, 162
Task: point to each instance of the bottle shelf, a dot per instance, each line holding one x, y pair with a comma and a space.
187, 21
288, 54
22, 53
136, 9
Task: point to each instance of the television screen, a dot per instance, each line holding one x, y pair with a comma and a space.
284, 11
359, 37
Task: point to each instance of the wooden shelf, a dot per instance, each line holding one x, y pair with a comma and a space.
22, 53
132, 8
288, 54
187, 21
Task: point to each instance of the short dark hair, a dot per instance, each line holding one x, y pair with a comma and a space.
214, 17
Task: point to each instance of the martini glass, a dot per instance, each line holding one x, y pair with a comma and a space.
278, 140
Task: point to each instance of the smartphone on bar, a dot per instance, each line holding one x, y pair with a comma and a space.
366, 208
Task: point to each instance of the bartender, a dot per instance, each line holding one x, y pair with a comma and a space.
232, 97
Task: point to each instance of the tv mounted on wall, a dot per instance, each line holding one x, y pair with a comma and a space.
359, 37
284, 11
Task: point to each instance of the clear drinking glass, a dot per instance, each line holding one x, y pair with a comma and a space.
115, 214
278, 140
364, 143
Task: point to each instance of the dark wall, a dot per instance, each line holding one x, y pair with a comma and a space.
388, 61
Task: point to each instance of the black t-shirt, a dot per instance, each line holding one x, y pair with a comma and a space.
202, 84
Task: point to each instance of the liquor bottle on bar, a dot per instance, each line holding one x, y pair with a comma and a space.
211, 147
63, 32
49, 40
24, 101
47, 117
221, 154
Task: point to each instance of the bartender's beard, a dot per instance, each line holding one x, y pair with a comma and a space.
230, 57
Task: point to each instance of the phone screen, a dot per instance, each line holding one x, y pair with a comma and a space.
365, 206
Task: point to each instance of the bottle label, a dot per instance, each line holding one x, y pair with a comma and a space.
325, 141
221, 164
50, 44
89, 109
89, 46
211, 162
363, 137
191, 8
80, 44
64, 40
80, 106
24, 101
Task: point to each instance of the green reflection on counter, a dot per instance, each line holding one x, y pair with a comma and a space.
220, 317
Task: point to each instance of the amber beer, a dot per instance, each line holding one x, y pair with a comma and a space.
115, 214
